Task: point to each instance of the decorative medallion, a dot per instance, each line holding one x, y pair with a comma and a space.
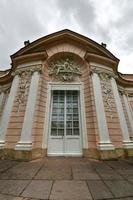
64, 70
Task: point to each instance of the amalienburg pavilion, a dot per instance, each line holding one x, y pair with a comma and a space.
63, 96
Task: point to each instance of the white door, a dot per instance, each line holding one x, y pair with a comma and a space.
64, 135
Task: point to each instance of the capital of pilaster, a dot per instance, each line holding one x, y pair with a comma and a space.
122, 91
102, 73
5, 88
30, 70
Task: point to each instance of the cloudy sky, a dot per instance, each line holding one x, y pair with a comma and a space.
108, 21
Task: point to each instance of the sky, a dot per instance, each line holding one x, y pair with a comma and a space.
107, 21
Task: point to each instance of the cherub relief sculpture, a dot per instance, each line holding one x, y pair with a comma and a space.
64, 70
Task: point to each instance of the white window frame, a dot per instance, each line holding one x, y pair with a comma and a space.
65, 86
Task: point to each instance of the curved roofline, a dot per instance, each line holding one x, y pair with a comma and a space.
66, 32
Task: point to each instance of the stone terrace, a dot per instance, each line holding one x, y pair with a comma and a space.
66, 179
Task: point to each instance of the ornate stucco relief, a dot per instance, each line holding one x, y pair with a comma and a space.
23, 88
106, 87
24, 83
64, 70
105, 84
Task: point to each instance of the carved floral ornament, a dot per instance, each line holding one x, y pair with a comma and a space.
64, 70
106, 87
24, 83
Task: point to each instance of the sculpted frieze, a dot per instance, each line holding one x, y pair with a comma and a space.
64, 70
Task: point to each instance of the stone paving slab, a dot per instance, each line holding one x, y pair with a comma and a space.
38, 189
85, 176
6, 164
83, 167
100, 166
13, 187
67, 179
70, 190
53, 173
120, 188
99, 190
24, 170
119, 164
110, 175
7, 197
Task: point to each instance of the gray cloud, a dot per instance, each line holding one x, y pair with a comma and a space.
81, 11
107, 21
17, 23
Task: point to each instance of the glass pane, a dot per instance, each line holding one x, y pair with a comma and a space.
54, 124
62, 92
55, 98
75, 117
53, 132
69, 110
54, 117
75, 110
69, 98
75, 105
75, 92
69, 105
55, 92
68, 131
55, 105
69, 92
69, 117
75, 124
75, 131
61, 98
61, 117
60, 110
61, 105
69, 124
61, 132
55, 110
75, 98
65, 107
60, 124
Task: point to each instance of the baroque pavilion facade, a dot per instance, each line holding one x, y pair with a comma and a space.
63, 96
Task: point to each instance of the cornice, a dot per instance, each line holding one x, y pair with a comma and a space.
28, 57
90, 57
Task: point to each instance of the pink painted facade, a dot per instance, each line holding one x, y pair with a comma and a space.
105, 100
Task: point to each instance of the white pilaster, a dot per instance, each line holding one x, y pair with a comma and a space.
105, 143
128, 111
7, 110
127, 143
25, 142
1, 98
